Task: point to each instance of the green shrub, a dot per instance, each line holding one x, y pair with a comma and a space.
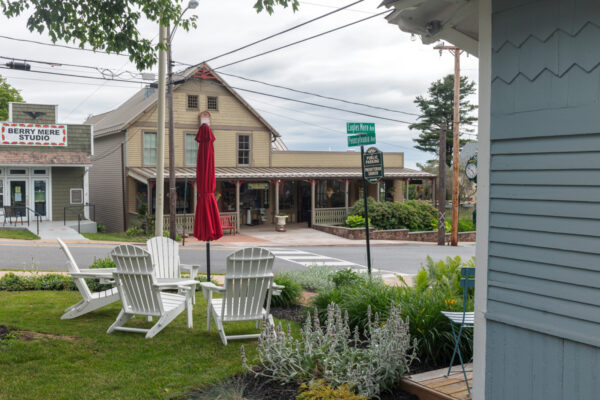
134, 231
17, 283
345, 277
100, 227
319, 390
466, 225
290, 295
314, 277
337, 355
444, 274
103, 263
356, 221
434, 225
413, 215
429, 327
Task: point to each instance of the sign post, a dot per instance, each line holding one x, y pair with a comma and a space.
359, 134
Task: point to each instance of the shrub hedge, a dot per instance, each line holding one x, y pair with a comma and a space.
412, 215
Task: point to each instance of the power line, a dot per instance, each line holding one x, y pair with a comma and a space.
284, 31
312, 104
328, 6
61, 45
78, 76
303, 40
318, 95
61, 81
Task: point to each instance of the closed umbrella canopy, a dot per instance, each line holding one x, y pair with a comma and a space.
207, 221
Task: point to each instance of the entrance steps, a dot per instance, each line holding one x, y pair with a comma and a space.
57, 229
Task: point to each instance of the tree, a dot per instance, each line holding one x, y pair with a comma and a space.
110, 26
438, 110
7, 94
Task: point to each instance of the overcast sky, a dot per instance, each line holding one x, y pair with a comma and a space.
372, 62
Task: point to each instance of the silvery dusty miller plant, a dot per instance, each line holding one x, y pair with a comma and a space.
337, 355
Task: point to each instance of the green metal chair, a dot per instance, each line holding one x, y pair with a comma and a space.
462, 320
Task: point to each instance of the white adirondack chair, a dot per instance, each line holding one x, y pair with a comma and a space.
248, 281
165, 256
91, 301
141, 294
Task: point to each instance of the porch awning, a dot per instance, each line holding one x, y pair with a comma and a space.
44, 158
144, 174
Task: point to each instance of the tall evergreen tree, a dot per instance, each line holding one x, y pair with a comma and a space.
437, 110
7, 94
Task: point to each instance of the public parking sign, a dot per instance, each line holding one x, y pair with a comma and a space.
360, 133
373, 162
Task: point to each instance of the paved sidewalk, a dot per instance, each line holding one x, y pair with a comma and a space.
296, 235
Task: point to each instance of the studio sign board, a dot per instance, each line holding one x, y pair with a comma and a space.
19, 134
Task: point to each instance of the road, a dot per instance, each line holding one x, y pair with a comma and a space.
403, 258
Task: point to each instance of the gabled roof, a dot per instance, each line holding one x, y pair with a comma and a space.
456, 21
127, 113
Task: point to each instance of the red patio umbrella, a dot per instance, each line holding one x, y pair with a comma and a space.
207, 221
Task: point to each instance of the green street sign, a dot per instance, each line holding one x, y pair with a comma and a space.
360, 133
373, 165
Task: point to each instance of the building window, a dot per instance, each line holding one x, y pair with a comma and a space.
192, 102
18, 172
149, 148
286, 195
212, 103
191, 149
330, 193
243, 149
76, 196
40, 172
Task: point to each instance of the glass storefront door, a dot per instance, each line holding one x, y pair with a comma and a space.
18, 196
40, 196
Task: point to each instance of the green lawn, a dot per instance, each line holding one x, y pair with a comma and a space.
115, 237
17, 234
97, 365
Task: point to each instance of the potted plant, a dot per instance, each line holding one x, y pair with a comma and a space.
281, 218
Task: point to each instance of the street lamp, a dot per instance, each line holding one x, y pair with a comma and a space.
192, 4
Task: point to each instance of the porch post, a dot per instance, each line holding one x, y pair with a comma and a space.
237, 204
378, 195
433, 198
277, 196
195, 194
313, 184
346, 203
407, 183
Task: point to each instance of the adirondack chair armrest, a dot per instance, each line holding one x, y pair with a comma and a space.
189, 268
277, 289
209, 287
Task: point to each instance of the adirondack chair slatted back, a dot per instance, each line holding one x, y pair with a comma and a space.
248, 279
135, 280
73, 268
165, 256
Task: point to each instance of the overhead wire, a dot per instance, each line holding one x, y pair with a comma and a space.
284, 31
61, 46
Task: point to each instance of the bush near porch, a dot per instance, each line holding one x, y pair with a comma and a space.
412, 215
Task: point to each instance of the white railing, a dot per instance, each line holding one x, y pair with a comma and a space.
187, 221
330, 216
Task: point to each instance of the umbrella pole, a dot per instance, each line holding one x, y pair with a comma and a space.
208, 260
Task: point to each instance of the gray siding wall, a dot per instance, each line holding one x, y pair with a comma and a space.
19, 113
63, 180
544, 239
106, 182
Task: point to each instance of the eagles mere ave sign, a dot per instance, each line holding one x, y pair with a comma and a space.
20, 134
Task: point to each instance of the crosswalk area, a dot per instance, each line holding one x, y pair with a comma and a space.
307, 259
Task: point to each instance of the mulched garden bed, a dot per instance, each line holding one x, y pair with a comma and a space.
250, 387
291, 313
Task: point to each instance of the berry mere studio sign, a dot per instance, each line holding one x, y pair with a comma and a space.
18, 134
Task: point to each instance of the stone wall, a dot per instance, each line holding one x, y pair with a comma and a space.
392, 234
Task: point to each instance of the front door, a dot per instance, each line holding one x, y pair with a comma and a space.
18, 196
304, 193
40, 197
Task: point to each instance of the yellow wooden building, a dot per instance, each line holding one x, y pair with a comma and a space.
257, 176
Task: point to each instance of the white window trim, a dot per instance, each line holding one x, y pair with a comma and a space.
237, 149
71, 196
185, 149
144, 149
210, 109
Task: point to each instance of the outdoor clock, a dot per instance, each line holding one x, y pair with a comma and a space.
471, 169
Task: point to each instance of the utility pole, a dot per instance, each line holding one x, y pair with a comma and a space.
172, 190
442, 187
456, 52
160, 136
